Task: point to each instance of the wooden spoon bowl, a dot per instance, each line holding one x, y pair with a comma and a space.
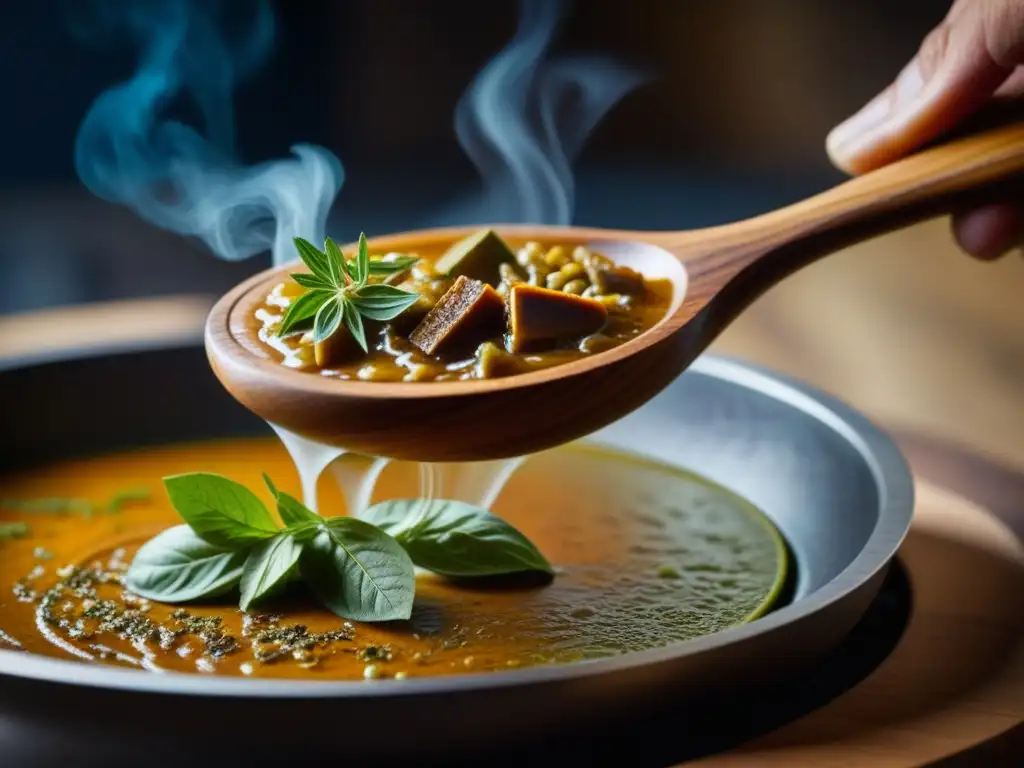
715, 272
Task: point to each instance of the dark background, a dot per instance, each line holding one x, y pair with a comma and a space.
732, 124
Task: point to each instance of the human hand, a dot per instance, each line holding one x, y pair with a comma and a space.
973, 57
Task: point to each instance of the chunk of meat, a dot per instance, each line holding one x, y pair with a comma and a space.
611, 279
541, 317
341, 348
469, 313
479, 257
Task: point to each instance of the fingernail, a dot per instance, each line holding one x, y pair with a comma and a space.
859, 131
991, 233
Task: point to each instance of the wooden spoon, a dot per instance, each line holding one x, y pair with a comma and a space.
716, 273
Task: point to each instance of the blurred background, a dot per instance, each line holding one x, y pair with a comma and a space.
730, 123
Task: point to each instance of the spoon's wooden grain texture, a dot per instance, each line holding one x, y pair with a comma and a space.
725, 269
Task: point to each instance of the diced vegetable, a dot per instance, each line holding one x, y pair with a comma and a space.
493, 361
478, 256
469, 313
610, 279
542, 317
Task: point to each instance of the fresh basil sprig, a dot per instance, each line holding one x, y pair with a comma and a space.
338, 292
361, 568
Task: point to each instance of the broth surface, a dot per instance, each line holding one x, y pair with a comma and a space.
646, 555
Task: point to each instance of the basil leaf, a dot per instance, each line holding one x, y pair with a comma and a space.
335, 262
312, 282
383, 302
268, 567
177, 566
452, 538
292, 511
314, 259
328, 319
347, 267
362, 260
220, 511
358, 571
398, 516
354, 323
390, 266
303, 308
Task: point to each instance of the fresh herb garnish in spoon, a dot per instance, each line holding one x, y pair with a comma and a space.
339, 292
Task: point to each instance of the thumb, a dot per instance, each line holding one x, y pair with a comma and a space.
958, 68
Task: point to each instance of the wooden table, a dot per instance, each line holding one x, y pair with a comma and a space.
926, 342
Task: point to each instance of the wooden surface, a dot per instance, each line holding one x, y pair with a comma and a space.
94, 326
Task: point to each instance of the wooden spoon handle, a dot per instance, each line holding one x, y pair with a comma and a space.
944, 178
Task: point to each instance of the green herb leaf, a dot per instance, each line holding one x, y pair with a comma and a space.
335, 263
383, 302
52, 506
344, 269
220, 511
295, 514
359, 572
354, 323
83, 507
362, 261
314, 259
268, 567
393, 265
303, 308
456, 539
10, 531
292, 511
312, 282
123, 498
338, 293
328, 319
177, 566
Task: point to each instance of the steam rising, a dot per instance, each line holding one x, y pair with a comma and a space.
525, 118
522, 122
129, 150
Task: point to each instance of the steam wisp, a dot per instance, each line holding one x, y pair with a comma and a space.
525, 118
523, 121
131, 150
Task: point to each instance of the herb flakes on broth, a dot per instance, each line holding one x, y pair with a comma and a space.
644, 554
